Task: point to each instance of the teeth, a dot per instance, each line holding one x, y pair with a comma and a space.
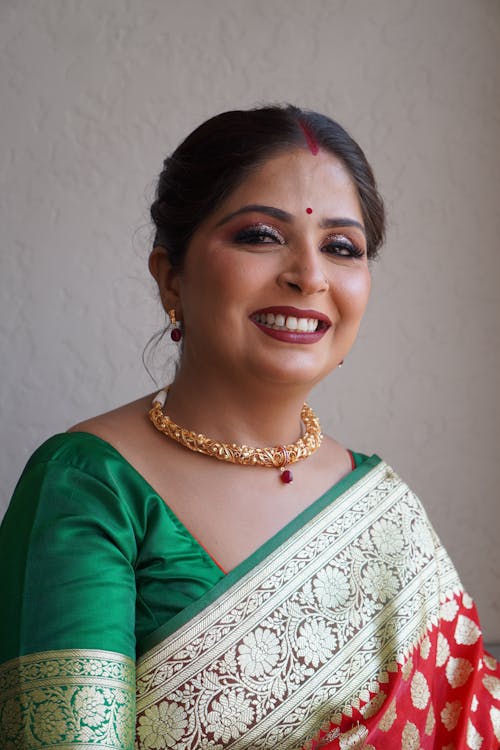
291, 323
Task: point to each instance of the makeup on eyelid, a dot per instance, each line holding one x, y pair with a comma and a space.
253, 232
344, 243
264, 234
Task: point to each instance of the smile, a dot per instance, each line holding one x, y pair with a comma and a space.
292, 324
289, 323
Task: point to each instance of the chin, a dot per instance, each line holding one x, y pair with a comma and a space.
297, 374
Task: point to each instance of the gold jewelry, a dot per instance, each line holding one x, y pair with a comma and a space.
176, 332
278, 457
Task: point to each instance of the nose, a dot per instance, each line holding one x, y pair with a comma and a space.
304, 272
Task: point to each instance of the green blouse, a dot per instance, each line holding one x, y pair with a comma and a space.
92, 557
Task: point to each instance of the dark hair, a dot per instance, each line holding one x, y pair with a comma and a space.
215, 158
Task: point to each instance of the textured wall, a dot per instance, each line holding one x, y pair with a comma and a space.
95, 94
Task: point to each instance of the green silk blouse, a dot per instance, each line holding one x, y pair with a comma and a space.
92, 556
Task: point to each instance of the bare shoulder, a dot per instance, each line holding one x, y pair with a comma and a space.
335, 454
129, 430
123, 428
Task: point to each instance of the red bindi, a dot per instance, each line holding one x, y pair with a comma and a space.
309, 210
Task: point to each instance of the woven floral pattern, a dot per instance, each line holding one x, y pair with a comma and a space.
355, 634
296, 638
67, 699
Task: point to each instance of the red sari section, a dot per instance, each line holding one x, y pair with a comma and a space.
445, 695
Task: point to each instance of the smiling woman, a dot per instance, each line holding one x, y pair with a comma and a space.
260, 253
168, 564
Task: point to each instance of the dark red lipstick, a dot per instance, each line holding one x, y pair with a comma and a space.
292, 336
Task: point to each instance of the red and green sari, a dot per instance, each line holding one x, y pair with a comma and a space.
348, 629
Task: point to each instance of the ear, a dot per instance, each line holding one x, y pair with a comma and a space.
167, 279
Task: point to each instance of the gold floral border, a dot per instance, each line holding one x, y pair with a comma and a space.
345, 598
68, 699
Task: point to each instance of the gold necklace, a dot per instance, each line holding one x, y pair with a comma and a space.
275, 458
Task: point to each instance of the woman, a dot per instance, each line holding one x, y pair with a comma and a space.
164, 554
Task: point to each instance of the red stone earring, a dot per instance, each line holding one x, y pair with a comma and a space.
176, 332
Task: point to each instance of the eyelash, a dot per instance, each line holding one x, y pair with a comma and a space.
260, 234
255, 234
339, 241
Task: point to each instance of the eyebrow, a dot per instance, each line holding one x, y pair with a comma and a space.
278, 213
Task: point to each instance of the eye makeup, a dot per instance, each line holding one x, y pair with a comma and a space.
338, 245
258, 234
341, 246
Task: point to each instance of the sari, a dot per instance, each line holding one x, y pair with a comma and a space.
348, 629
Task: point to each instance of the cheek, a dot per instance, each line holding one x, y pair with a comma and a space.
354, 292
227, 283
218, 285
237, 275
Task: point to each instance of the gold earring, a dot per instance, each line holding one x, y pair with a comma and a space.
176, 332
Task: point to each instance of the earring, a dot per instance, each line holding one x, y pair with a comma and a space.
176, 332
340, 363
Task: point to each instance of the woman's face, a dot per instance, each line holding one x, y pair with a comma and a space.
276, 281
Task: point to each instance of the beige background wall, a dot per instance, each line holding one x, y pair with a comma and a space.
94, 94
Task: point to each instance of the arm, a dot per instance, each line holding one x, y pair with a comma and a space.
67, 551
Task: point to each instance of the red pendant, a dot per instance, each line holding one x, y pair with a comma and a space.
176, 334
286, 476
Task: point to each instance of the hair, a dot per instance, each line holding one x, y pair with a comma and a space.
216, 157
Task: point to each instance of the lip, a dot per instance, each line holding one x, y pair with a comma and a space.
293, 337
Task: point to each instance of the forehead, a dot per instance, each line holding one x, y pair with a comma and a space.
295, 179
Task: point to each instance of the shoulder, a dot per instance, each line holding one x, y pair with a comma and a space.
79, 472
336, 454
72, 472
357, 458
118, 425
127, 430
100, 461
80, 451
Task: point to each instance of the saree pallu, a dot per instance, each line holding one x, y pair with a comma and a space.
348, 629
354, 632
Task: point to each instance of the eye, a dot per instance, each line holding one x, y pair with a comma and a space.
258, 234
342, 246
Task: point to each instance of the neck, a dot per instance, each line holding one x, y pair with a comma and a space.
259, 414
